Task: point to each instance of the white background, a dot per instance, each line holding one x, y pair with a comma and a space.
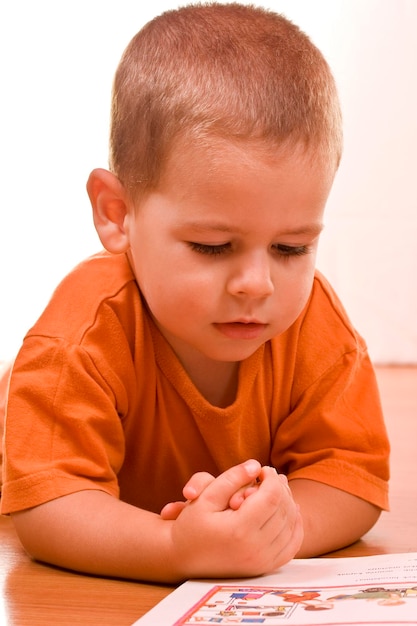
57, 65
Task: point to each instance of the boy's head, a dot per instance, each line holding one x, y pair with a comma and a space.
226, 71
226, 136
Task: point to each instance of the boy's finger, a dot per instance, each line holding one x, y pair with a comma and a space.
219, 492
196, 485
241, 495
172, 510
272, 498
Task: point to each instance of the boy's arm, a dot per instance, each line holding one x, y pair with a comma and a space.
93, 532
332, 518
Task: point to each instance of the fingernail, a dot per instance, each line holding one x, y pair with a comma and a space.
252, 467
284, 481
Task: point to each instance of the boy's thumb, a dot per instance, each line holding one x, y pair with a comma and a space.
218, 493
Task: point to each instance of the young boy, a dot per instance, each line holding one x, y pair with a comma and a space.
194, 401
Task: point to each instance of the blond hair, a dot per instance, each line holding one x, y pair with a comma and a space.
227, 70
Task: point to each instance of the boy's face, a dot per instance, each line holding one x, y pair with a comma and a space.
224, 250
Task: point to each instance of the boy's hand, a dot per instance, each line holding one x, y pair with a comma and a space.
196, 485
210, 538
193, 488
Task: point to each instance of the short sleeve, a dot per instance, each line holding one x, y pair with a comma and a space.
335, 432
63, 432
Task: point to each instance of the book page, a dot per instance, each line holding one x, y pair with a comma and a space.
374, 590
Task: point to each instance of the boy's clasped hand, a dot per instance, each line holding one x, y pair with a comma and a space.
247, 516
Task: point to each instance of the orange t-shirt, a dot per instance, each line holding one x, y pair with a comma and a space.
98, 400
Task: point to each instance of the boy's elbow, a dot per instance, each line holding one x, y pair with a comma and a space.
42, 530
30, 532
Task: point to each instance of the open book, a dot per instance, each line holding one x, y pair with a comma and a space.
351, 591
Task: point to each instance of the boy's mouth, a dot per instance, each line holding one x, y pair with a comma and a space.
241, 329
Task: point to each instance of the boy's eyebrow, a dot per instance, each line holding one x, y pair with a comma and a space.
305, 229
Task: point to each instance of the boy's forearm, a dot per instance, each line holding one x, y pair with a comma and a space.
332, 518
92, 532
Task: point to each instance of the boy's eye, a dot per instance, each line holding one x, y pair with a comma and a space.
286, 251
209, 249
281, 250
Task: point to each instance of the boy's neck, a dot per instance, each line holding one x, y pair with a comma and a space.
218, 383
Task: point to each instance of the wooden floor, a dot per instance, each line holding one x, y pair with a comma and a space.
398, 387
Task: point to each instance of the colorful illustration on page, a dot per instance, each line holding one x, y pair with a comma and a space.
272, 606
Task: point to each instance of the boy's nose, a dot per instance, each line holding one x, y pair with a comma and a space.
252, 278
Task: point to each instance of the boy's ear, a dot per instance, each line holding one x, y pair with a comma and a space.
110, 207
